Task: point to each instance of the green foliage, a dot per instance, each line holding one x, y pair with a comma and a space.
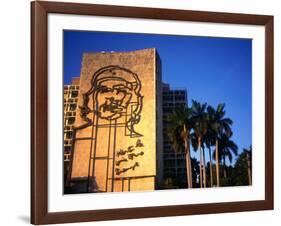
227, 147
199, 121
179, 125
195, 172
225, 181
240, 173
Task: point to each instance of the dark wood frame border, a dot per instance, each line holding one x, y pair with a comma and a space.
39, 117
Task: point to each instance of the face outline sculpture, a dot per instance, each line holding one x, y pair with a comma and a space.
115, 92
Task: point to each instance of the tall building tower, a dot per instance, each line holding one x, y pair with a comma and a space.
70, 94
174, 164
117, 136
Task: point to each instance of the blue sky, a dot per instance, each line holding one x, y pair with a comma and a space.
213, 70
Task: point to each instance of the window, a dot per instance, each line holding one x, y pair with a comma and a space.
74, 94
68, 135
72, 107
180, 98
67, 157
71, 120
67, 150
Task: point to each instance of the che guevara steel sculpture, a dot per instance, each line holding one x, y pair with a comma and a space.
117, 102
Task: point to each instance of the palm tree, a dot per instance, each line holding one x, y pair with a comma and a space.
242, 169
248, 153
210, 141
179, 125
195, 145
227, 148
217, 124
199, 118
195, 167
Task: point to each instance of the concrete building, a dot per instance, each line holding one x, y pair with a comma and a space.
117, 134
70, 95
118, 152
174, 164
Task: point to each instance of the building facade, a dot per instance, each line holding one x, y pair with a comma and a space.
70, 94
119, 146
117, 133
174, 163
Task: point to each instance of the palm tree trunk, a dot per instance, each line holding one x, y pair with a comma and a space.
224, 167
200, 168
188, 168
204, 168
189, 163
217, 163
249, 169
211, 166
187, 159
190, 171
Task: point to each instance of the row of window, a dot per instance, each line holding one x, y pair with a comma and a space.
174, 92
67, 87
67, 142
172, 104
176, 98
173, 155
70, 100
174, 174
66, 157
68, 134
69, 120
68, 127
70, 113
69, 107
71, 94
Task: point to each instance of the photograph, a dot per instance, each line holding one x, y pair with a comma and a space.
145, 112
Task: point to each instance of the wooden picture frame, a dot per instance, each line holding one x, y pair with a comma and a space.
39, 109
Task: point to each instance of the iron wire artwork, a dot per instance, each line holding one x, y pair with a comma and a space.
118, 171
116, 99
117, 93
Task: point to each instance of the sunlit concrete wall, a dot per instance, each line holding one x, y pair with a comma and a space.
118, 122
